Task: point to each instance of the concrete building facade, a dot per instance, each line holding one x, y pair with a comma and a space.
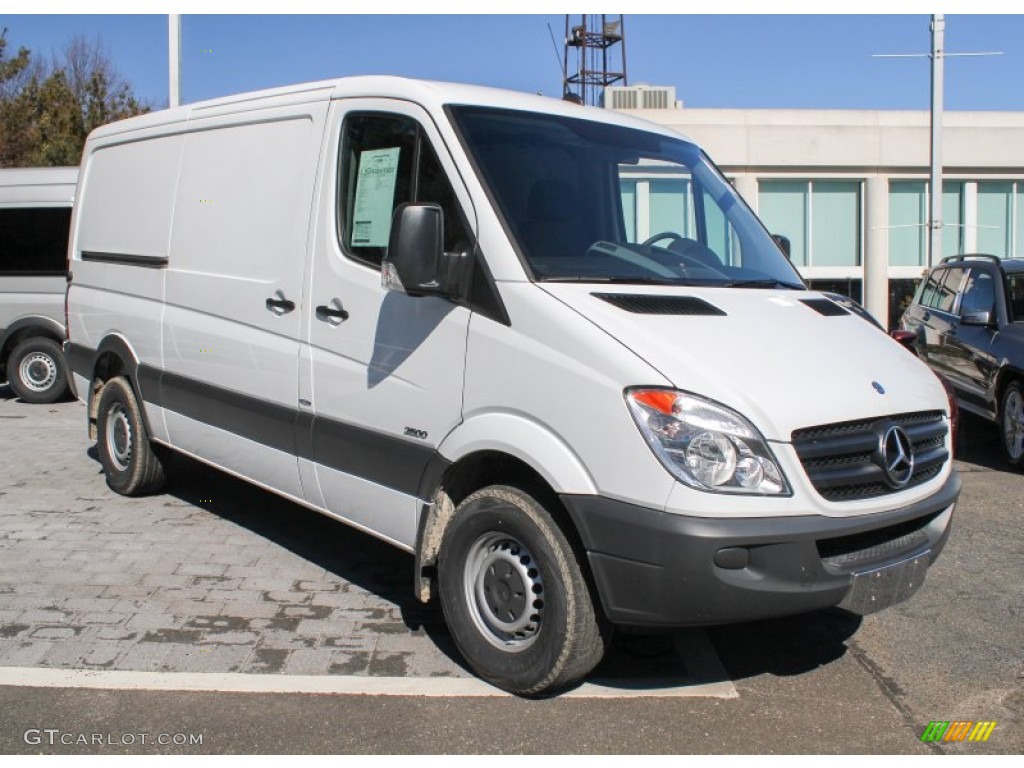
849, 188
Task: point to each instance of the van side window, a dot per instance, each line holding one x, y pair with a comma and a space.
34, 240
386, 160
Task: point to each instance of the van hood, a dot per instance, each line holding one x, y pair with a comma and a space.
767, 354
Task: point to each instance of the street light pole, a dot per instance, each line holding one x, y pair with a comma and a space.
938, 57
174, 58
935, 222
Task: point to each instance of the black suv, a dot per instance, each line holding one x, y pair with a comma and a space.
968, 320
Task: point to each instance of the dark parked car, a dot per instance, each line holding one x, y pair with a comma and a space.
968, 321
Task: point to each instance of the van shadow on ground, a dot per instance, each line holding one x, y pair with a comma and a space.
780, 647
7, 394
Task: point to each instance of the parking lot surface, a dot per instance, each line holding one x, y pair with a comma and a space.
217, 576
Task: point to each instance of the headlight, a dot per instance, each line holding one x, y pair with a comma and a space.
706, 445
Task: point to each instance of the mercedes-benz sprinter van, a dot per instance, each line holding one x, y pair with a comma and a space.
545, 348
35, 217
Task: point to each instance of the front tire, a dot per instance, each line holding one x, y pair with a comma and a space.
1011, 424
514, 595
131, 465
37, 371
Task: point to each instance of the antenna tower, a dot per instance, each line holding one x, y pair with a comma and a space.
597, 43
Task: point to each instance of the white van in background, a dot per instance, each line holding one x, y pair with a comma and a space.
35, 217
441, 314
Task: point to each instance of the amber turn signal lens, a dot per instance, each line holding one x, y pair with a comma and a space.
658, 399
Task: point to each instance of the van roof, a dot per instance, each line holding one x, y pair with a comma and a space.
30, 186
26, 177
430, 94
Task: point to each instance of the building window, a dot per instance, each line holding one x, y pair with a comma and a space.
664, 199
822, 219
628, 192
671, 205
851, 287
908, 221
1001, 218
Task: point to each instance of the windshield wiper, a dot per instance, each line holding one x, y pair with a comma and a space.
763, 283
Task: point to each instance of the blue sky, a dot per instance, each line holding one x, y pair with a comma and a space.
738, 61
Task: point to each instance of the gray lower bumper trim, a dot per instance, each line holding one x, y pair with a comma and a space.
655, 568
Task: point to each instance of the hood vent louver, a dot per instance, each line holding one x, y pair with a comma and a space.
650, 304
825, 307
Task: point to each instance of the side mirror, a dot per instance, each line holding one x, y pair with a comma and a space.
907, 338
783, 242
976, 318
414, 262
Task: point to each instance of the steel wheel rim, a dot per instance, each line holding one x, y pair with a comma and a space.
504, 592
38, 371
1013, 425
119, 437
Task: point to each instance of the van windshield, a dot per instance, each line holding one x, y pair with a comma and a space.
585, 201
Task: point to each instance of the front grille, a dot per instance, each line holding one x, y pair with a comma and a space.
842, 460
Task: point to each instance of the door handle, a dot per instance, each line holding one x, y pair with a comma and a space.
280, 306
324, 312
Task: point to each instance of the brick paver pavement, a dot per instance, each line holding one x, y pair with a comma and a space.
212, 575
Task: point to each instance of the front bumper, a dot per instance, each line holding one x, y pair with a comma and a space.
654, 568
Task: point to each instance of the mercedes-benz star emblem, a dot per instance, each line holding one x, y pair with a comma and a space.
898, 456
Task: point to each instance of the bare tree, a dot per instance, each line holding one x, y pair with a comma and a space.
46, 111
100, 90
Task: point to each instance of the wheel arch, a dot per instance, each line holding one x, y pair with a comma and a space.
462, 477
25, 328
1007, 373
114, 356
521, 437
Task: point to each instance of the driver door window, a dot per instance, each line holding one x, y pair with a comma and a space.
386, 160
979, 295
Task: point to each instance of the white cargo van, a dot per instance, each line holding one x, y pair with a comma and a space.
35, 214
545, 348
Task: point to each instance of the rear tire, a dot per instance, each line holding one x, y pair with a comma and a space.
37, 371
514, 595
1011, 424
129, 461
